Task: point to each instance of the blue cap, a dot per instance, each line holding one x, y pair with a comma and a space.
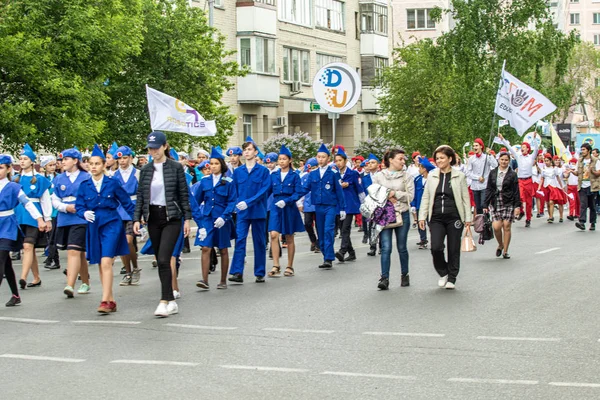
285, 151
260, 154
234, 151
174, 154
312, 162
71, 153
340, 152
362, 164
114, 147
426, 164
203, 164
215, 152
123, 151
156, 139
28, 152
271, 157
323, 149
372, 157
5, 159
97, 152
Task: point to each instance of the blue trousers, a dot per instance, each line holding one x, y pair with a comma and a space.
259, 241
401, 245
326, 230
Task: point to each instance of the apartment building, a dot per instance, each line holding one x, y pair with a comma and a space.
284, 43
412, 20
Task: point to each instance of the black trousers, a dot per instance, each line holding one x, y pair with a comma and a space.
310, 218
6, 268
446, 228
588, 201
52, 249
346, 230
164, 235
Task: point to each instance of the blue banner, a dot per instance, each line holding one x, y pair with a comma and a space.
592, 138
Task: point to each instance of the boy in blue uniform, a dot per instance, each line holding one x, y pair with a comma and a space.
353, 195
371, 168
252, 183
327, 195
424, 168
305, 206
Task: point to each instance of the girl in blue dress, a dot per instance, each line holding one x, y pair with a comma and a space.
11, 196
48, 163
36, 188
217, 196
285, 218
98, 200
71, 229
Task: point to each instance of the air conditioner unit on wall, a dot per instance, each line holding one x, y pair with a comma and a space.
281, 121
296, 86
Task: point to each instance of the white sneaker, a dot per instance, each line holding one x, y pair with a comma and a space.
443, 280
450, 285
176, 294
161, 310
172, 308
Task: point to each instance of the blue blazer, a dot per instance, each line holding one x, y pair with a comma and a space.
219, 201
326, 191
351, 193
252, 188
110, 197
290, 190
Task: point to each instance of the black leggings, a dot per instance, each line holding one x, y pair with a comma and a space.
346, 230
7, 269
309, 225
52, 249
164, 235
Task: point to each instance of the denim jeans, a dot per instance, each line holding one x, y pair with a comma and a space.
401, 244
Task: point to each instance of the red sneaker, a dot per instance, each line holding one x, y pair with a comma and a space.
107, 307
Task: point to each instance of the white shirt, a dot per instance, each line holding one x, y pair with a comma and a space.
35, 214
283, 175
413, 170
550, 175
157, 187
572, 179
475, 170
525, 162
45, 200
98, 184
500, 178
322, 170
215, 179
126, 173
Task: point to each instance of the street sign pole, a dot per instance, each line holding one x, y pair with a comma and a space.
333, 116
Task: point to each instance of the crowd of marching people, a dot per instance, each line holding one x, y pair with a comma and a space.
96, 207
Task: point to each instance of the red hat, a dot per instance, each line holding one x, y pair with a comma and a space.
548, 155
478, 140
572, 153
431, 160
504, 150
361, 158
492, 152
573, 160
339, 146
556, 157
526, 144
539, 152
414, 154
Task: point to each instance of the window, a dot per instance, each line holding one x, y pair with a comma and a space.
324, 59
218, 3
329, 14
574, 1
575, 19
597, 82
258, 54
295, 11
597, 40
596, 18
247, 125
269, 2
296, 65
373, 18
380, 64
419, 19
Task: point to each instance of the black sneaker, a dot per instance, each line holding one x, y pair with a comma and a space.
527, 224
423, 245
371, 253
54, 265
580, 225
365, 239
317, 249
351, 257
383, 284
22, 283
539, 215
202, 284
405, 281
312, 247
15, 256
154, 264
185, 250
571, 218
260, 279
592, 227
239, 278
339, 256
123, 271
326, 264
14, 301
420, 243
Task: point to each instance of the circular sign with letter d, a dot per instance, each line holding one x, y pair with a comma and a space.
337, 87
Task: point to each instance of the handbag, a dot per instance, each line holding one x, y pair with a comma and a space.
467, 244
399, 221
479, 223
488, 231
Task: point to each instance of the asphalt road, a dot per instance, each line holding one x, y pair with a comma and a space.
520, 328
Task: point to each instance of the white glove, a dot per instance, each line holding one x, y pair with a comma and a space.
413, 209
361, 197
241, 205
89, 216
219, 222
342, 215
280, 204
202, 234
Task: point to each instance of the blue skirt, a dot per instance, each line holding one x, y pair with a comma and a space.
105, 237
220, 238
287, 220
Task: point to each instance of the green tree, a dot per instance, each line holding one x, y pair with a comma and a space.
181, 56
55, 55
444, 91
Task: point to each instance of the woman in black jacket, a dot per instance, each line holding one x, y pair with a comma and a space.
163, 203
502, 198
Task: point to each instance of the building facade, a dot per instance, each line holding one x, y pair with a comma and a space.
413, 22
283, 44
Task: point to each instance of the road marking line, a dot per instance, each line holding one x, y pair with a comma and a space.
405, 334
42, 358
356, 374
525, 339
28, 320
254, 368
156, 362
498, 381
108, 322
548, 251
215, 328
297, 330
575, 384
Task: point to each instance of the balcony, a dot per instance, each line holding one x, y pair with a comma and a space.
374, 44
258, 89
369, 99
256, 16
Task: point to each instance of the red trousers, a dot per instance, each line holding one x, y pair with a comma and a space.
574, 202
527, 190
359, 219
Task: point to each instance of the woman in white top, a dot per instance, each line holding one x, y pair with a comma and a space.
552, 187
